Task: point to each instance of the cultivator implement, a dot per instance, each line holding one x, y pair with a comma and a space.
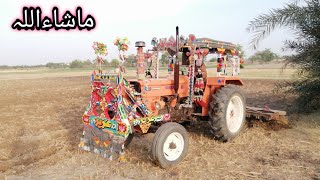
266, 114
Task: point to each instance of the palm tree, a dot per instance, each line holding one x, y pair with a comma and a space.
303, 18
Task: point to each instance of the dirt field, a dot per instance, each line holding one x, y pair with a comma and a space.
41, 127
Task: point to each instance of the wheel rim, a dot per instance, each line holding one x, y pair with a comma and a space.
173, 146
235, 114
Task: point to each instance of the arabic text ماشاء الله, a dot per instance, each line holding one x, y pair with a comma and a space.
32, 20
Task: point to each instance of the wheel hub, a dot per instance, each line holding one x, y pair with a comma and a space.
235, 112
172, 145
232, 114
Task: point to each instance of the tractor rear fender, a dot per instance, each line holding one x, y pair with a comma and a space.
212, 85
222, 81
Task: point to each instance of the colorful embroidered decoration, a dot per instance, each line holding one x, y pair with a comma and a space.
112, 113
155, 56
191, 57
123, 46
235, 63
169, 45
146, 120
140, 63
100, 50
224, 68
147, 56
220, 61
191, 82
199, 84
105, 120
219, 65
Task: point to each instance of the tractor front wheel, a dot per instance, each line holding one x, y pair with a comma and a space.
227, 113
170, 144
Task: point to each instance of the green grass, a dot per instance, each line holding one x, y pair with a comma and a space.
250, 71
267, 73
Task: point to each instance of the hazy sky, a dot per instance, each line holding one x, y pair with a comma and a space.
224, 20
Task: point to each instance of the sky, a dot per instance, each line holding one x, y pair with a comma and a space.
139, 20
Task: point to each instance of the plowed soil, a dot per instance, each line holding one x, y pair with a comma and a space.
41, 126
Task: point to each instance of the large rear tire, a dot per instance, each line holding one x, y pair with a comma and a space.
227, 113
170, 144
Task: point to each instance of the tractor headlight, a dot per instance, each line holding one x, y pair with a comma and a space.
158, 106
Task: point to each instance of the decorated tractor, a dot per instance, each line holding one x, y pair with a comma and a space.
120, 109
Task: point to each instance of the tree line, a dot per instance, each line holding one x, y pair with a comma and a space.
77, 63
260, 56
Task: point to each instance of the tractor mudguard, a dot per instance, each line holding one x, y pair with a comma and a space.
212, 85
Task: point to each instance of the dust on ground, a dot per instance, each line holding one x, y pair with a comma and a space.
41, 127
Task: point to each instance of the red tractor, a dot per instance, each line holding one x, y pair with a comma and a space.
186, 95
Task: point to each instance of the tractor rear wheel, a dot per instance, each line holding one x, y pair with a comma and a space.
227, 113
170, 144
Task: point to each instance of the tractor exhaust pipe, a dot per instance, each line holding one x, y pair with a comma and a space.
176, 64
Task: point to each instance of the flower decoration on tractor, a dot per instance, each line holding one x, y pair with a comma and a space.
123, 46
100, 49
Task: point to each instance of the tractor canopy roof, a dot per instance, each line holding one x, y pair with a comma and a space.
213, 45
